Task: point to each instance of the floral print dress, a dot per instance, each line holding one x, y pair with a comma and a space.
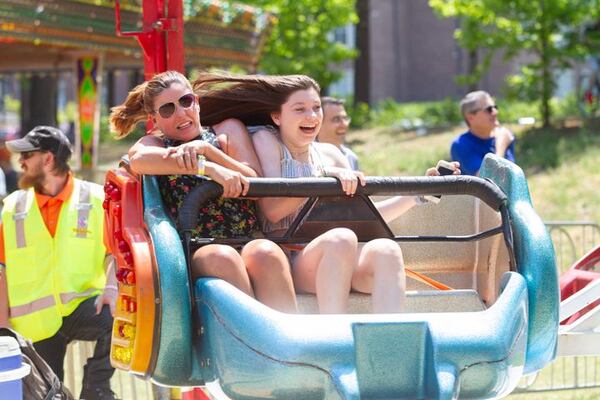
219, 219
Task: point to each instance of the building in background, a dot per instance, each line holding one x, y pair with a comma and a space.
408, 54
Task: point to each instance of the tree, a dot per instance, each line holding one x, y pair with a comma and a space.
299, 42
362, 64
38, 101
547, 29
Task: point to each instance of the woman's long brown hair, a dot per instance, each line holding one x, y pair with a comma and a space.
250, 98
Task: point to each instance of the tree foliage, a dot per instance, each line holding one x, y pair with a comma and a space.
550, 30
299, 42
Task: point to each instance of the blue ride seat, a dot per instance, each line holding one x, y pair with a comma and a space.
479, 352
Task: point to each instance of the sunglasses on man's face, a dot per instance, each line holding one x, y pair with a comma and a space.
488, 109
168, 109
28, 154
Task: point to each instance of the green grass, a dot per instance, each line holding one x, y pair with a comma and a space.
560, 163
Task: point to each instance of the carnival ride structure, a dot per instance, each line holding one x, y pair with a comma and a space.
484, 240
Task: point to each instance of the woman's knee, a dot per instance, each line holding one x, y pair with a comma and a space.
217, 260
382, 248
340, 239
260, 255
383, 256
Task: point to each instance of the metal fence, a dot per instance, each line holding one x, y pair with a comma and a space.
571, 240
125, 385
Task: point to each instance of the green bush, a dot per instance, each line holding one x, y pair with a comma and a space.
445, 113
360, 114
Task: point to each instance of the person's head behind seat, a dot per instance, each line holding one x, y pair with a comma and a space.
471, 103
479, 111
45, 139
335, 121
250, 98
139, 103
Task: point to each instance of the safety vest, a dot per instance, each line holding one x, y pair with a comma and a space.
48, 277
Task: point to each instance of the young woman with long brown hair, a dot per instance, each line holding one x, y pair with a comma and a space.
284, 113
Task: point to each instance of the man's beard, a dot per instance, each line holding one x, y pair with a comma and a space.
34, 180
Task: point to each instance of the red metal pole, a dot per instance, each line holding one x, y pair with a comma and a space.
161, 37
175, 50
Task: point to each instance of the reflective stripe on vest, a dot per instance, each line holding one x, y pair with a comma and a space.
45, 302
65, 298
83, 214
34, 306
19, 218
83, 210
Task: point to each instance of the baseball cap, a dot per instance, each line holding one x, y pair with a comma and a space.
44, 138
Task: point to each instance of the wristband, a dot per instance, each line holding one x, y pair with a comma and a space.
114, 287
201, 165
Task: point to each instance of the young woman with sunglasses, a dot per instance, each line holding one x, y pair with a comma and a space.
227, 157
284, 115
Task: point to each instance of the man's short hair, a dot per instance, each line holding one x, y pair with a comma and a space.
470, 103
332, 100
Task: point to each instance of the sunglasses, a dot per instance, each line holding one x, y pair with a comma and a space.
28, 154
168, 109
487, 109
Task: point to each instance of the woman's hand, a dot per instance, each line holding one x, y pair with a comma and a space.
433, 171
347, 177
186, 154
233, 182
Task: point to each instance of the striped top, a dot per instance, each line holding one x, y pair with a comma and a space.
291, 168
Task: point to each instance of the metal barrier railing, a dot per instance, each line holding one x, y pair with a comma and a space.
125, 385
571, 240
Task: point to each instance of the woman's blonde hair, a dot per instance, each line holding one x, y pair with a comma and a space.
140, 102
248, 98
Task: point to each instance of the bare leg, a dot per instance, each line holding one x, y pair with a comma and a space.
325, 267
381, 272
270, 274
220, 261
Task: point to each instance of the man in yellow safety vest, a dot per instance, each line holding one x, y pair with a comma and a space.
57, 281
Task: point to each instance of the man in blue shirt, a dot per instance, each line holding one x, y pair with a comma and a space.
485, 134
335, 126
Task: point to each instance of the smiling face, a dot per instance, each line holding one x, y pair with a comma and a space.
335, 124
300, 118
184, 123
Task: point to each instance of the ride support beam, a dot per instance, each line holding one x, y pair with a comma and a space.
161, 37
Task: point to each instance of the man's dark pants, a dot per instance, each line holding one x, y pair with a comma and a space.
82, 324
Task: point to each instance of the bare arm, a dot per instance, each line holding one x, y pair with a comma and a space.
237, 146
394, 207
503, 139
149, 156
110, 292
269, 154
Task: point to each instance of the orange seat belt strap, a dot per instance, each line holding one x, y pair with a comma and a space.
426, 280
